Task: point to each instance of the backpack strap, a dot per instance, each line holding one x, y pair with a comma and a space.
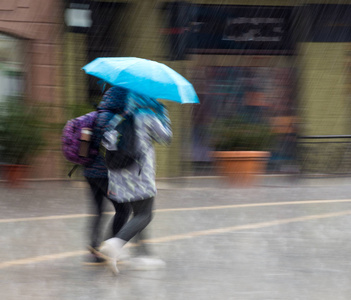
117, 118
75, 167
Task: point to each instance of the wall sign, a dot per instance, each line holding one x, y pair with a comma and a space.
251, 28
229, 29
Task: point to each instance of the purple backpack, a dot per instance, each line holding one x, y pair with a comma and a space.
71, 138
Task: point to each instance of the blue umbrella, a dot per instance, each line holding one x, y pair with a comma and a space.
143, 76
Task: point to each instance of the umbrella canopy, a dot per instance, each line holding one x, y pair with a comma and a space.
143, 76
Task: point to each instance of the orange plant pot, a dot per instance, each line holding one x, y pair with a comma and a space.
241, 167
14, 174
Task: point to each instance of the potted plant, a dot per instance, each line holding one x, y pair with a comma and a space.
21, 137
241, 148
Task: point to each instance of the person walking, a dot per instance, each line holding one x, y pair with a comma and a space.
135, 184
96, 174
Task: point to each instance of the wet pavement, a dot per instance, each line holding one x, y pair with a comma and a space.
284, 239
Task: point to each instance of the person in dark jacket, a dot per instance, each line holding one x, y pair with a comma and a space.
96, 174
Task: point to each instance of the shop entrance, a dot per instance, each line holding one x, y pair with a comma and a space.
260, 90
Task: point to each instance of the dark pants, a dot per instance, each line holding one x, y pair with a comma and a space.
98, 187
142, 215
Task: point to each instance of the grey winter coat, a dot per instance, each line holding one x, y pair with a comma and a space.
137, 182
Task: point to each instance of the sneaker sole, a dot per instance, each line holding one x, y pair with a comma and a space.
109, 263
85, 263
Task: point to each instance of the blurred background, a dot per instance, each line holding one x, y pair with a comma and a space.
271, 75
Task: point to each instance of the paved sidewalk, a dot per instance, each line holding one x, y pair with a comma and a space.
281, 239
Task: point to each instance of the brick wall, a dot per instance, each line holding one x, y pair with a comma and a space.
39, 23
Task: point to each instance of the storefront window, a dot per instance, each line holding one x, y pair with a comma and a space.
11, 74
11, 65
260, 95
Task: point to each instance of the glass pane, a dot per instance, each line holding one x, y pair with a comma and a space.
11, 64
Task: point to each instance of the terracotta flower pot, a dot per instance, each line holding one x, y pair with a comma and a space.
241, 167
14, 174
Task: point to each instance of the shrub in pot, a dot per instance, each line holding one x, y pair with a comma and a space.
241, 148
21, 136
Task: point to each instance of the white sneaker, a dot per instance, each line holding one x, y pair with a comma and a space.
111, 250
124, 255
145, 263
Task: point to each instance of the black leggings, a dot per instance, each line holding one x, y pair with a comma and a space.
142, 215
98, 187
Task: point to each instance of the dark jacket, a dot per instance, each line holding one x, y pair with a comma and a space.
113, 102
